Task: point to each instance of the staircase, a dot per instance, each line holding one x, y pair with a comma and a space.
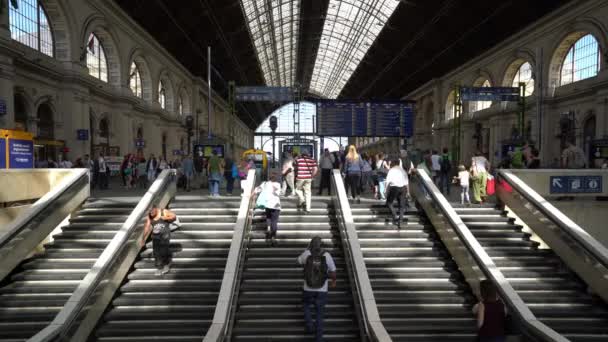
177, 306
420, 293
37, 289
269, 303
555, 294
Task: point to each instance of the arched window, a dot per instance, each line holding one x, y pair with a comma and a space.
162, 95
180, 106
449, 106
135, 80
96, 59
30, 26
524, 75
582, 61
480, 105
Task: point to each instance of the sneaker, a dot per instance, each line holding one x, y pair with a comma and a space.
158, 272
165, 270
273, 242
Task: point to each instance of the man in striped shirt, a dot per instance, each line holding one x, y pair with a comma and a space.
306, 170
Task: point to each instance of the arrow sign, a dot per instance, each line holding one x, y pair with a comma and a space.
556, 182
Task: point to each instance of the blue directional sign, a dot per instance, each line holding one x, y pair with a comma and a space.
20, 154
264, 94
140, 143
575, 184
2, 153
489, 94
82, 134
361, 119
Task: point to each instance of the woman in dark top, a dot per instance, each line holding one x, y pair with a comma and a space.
490, 314
158, 223
534, 161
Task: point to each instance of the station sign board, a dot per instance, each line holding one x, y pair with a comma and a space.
18, 147
489, 94
264, 94
575, 184
365, 119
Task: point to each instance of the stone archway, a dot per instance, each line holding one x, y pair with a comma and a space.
21, 112
98, 27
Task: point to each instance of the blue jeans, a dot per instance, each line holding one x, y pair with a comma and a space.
318, 299
381, 187
214, 183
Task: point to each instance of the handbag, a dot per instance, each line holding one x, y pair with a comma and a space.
490, 185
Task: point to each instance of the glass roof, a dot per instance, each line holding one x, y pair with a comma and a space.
350, 29
274, 29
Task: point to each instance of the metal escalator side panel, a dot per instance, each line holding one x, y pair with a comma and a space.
583, 254
225, 309
80, 314
36, 223
368, 315
471, 258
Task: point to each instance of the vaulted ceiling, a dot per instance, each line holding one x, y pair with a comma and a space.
355, 49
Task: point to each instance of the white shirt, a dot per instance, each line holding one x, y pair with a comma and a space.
397, 177
331, 267
102, 165
65, 164
327, 162
480, 163
464, 178
436, 162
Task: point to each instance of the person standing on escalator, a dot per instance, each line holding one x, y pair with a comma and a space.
319, 272
158, 223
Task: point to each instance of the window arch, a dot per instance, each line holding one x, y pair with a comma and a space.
449, 106
180, 106
162, 95
29, 25
524, 74
135, 82
582, 61
96, 58
475, 106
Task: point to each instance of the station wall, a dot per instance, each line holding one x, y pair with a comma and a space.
54, 96
545, 46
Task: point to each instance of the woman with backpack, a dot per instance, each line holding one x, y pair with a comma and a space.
158, 223
353, 166
269, 193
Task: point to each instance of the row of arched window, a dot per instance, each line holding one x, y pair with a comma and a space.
582, 61
29, 25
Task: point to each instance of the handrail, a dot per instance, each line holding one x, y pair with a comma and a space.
487, 265
76, 303
594, 247
31, 213
369, 311
226, 302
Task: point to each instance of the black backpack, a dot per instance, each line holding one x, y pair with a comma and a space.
315, 270
445, 164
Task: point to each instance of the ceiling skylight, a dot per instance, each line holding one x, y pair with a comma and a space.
273, 26
350, 29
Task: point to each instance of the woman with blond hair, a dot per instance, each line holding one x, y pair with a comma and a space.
353, 167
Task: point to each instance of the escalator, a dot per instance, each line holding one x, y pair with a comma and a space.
37, 289
551, 290
269, 303
177, 306
419, 291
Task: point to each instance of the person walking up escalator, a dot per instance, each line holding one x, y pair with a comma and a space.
158, 223
353, 167
327, 164
396, 187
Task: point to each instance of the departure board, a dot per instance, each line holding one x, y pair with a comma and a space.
361, 119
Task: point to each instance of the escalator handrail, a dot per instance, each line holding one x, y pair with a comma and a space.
225, 307
589, 243
487, 265
369, 310
77, 301
31, 213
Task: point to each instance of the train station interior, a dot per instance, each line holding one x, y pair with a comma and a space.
303, 170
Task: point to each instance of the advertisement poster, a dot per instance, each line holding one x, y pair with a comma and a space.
207, 150
20, 154
2, 153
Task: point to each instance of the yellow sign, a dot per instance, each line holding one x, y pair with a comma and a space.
258, 156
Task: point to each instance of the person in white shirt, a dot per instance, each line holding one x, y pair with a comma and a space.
435, 166
463, 179
269, 192
316, 295
396, 185
327, 164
